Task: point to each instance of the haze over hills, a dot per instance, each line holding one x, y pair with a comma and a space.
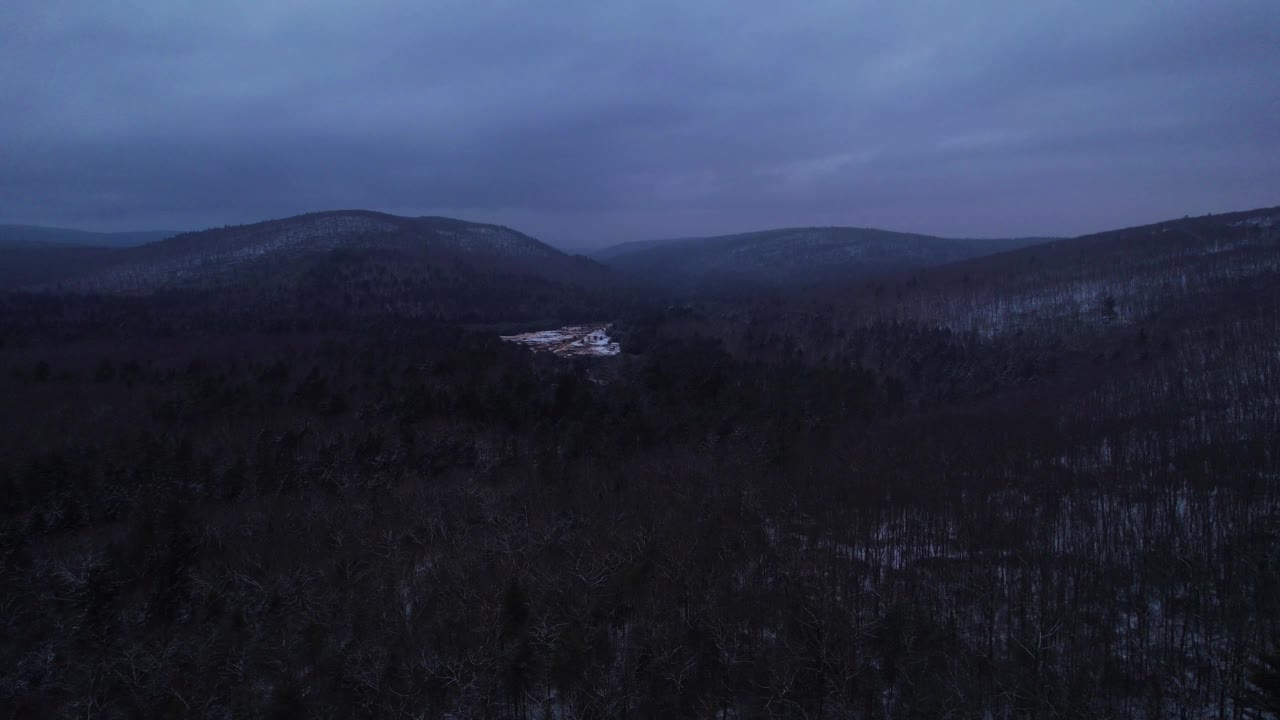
39, 235
791, 256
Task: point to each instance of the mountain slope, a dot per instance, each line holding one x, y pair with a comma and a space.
791, 256
281, 248
337, 269
1103, 279
38, 236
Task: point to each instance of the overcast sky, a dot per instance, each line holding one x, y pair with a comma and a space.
586, 123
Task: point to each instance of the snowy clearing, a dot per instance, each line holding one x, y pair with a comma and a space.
570, 340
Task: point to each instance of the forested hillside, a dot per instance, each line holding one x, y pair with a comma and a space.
789, 258
276, 252
1040, 484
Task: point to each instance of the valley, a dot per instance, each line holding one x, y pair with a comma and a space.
696, 360
329, 452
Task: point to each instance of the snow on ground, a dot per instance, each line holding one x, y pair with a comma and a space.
570, 340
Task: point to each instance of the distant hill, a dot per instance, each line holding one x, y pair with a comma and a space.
791, 256
333, 268
279, 248
1120, 277
38, 235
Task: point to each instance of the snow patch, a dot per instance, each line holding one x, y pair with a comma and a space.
570, 340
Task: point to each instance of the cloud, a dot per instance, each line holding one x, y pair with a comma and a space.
598, 122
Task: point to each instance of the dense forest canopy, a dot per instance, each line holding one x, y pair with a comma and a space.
282, 472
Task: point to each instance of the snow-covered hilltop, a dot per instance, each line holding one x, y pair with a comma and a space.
570, 340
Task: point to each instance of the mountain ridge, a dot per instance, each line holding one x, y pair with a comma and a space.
633, 246
1095, 280
215, 256
791, 256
